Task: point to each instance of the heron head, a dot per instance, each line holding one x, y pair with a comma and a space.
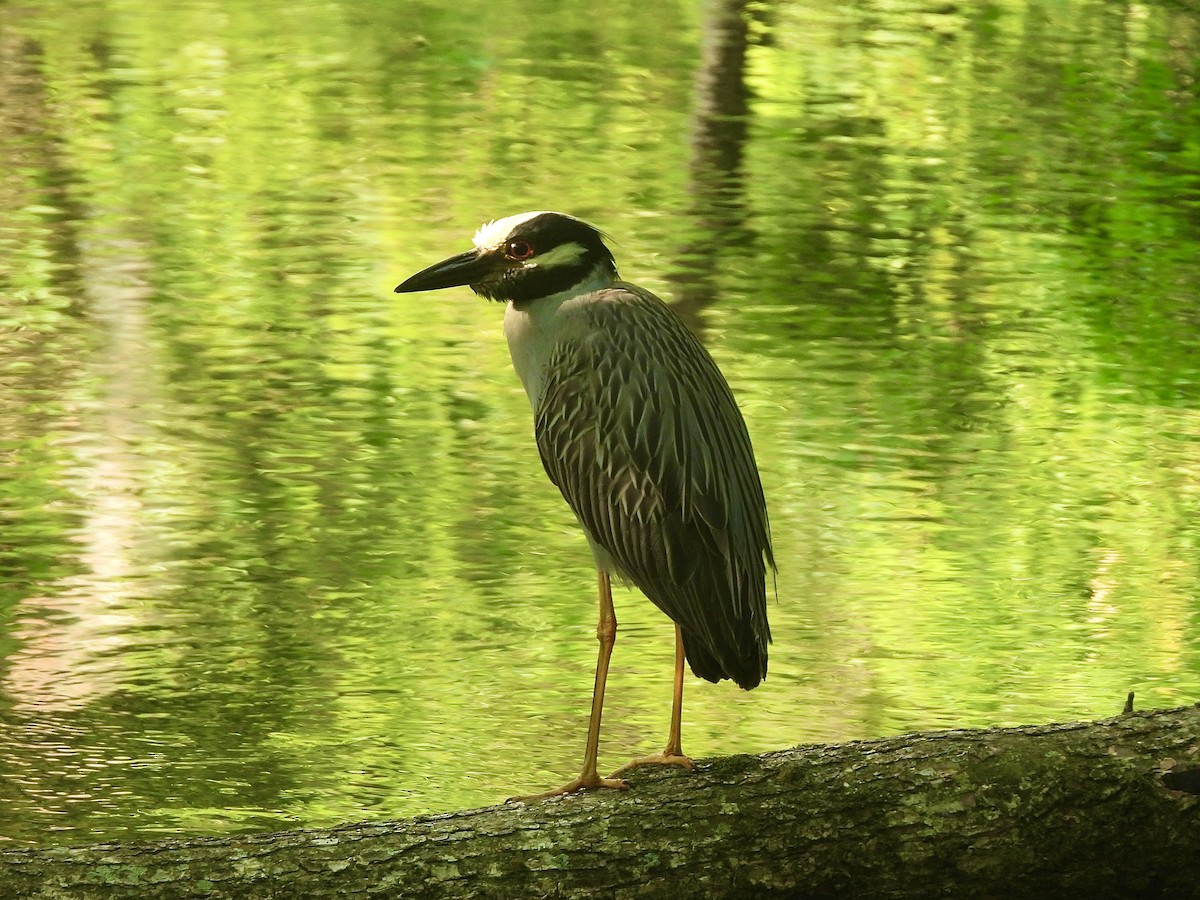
523, 257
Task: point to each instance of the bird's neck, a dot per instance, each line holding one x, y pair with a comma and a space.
534, 326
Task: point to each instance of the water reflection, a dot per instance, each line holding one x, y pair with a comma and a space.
277, 549
718, 136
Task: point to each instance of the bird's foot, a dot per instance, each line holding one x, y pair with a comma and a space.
666, 758
582, 783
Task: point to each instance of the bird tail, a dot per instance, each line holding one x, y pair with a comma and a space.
746, 665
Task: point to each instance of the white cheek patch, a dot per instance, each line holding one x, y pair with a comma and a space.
493, 234
562, 255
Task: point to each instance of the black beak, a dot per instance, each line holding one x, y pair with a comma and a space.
472, 267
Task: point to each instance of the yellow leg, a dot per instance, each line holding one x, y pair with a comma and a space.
672, 754
606, 633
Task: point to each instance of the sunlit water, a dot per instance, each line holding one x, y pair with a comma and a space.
277, 549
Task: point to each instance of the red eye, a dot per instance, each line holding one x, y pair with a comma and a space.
518, 250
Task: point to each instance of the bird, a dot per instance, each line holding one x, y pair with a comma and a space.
638, 428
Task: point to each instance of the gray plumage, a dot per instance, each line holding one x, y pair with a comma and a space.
637, 427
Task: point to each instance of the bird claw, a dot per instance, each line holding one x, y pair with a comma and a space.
582, 783
657, 759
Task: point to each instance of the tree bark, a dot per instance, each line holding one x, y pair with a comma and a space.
1098, 810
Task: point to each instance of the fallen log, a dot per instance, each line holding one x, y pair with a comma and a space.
1107, 809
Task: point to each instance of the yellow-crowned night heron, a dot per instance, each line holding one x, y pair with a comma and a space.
638, 429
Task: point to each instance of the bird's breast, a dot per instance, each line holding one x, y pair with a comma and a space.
530, 340
534, 327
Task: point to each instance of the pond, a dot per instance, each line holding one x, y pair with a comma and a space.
276, 548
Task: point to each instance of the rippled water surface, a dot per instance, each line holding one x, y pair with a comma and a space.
276, 548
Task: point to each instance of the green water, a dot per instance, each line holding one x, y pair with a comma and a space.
276, 548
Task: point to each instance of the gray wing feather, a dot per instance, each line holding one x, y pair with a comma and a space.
639, 430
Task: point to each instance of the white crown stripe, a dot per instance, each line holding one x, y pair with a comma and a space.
493, 234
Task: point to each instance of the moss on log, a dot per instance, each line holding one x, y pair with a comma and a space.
1101, 809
